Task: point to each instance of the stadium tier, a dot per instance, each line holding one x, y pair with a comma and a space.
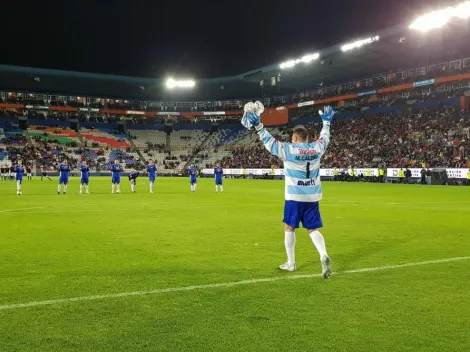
65, 136
148, 138
105, 138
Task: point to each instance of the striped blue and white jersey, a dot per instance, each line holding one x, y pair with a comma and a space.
301, 164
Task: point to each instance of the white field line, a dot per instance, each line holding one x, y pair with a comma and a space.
20, 209
218, 285
329, 204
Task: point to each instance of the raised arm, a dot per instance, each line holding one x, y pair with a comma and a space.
324, 139
251, 118
270, 143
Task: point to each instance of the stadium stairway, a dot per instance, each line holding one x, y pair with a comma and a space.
168, 142
197, 149
81, 139
28, 138
141, 156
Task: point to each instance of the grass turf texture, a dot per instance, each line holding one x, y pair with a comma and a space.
62, 246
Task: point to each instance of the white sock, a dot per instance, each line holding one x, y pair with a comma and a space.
58, 188
195, 187
65, 188
151, 186
216, 188
87, 189
132, 187
81, 188
289, 241
319, 242
221, 188
192, 189
118, 187
112, 188
18, 186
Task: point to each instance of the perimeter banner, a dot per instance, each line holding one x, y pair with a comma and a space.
392, 172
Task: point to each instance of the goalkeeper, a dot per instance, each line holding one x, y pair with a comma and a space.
302, 178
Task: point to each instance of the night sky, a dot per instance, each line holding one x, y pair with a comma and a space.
199, 39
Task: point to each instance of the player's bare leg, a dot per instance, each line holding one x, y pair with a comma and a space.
319, 243
289, 242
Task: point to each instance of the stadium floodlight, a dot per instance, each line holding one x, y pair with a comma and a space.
439, 18
171, 83
359, 43
305, 59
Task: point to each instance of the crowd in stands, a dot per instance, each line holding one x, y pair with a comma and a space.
437, 138
250, 158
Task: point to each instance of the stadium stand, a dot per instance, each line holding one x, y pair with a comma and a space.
419, 105
436, 137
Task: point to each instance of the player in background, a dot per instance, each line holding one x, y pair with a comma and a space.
84, 177
116, 170
44, 174
302, 181
152, 172
64, 169
19, 171
28, 172
218, 175
133, 179
193, 178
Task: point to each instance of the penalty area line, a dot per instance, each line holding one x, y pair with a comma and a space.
222, 284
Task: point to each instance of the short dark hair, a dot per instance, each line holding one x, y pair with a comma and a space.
302, 133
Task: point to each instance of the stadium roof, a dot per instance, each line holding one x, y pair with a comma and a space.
397, 48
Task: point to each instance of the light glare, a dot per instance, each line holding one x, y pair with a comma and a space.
359, 43
439, 18
171, 83
305, 59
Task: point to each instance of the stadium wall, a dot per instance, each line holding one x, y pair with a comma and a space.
275, 117
146, 127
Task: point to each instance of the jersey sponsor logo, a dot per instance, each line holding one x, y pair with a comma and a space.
307, 151
310, 182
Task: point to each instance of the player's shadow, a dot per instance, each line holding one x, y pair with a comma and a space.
358, 255
372, 249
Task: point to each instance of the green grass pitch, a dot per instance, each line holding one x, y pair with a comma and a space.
55, 247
